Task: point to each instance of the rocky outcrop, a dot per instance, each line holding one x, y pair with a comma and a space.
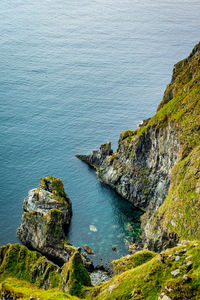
19, 262
48, 195
97, 157
141, 168
47, 210
173, 274
75, 275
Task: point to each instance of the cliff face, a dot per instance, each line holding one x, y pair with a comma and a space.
141, 169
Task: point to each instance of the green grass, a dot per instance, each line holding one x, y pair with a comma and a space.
150, 278
131, 261
24, 290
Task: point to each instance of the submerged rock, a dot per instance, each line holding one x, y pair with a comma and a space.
47, 210
93, 228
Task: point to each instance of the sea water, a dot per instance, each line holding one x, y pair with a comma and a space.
73, 75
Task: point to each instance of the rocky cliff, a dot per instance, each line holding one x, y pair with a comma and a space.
171, 275
145, 168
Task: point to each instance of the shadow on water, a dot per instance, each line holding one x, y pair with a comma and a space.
127, 214
116, 220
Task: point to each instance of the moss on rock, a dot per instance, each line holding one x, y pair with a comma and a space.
154, 277
131, 261
12, 288
75, 275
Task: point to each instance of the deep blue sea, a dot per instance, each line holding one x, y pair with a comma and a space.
73, 75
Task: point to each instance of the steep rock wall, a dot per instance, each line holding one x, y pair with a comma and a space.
140, 170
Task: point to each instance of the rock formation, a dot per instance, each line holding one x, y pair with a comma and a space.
47, 210
19, 262
148, 164
48, 195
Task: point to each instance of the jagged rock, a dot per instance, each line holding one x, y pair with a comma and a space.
88, 264
142, 167
97, 157
49, 194
186, 278
47, 210
189, 265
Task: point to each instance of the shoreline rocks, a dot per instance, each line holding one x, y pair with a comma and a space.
88, 250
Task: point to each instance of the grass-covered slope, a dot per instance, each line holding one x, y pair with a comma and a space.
174, 273
180, 212
12, 288
131, 261
21, 264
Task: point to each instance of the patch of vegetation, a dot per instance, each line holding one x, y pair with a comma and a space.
55, 186
151, 278
24, 290
131, 261
19, 262
76, 275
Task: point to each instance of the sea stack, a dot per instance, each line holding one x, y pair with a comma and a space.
47, 211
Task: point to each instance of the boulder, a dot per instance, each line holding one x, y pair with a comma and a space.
88, 249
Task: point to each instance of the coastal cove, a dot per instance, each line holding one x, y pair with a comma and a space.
72, 79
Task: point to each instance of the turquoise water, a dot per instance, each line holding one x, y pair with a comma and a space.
73, 75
